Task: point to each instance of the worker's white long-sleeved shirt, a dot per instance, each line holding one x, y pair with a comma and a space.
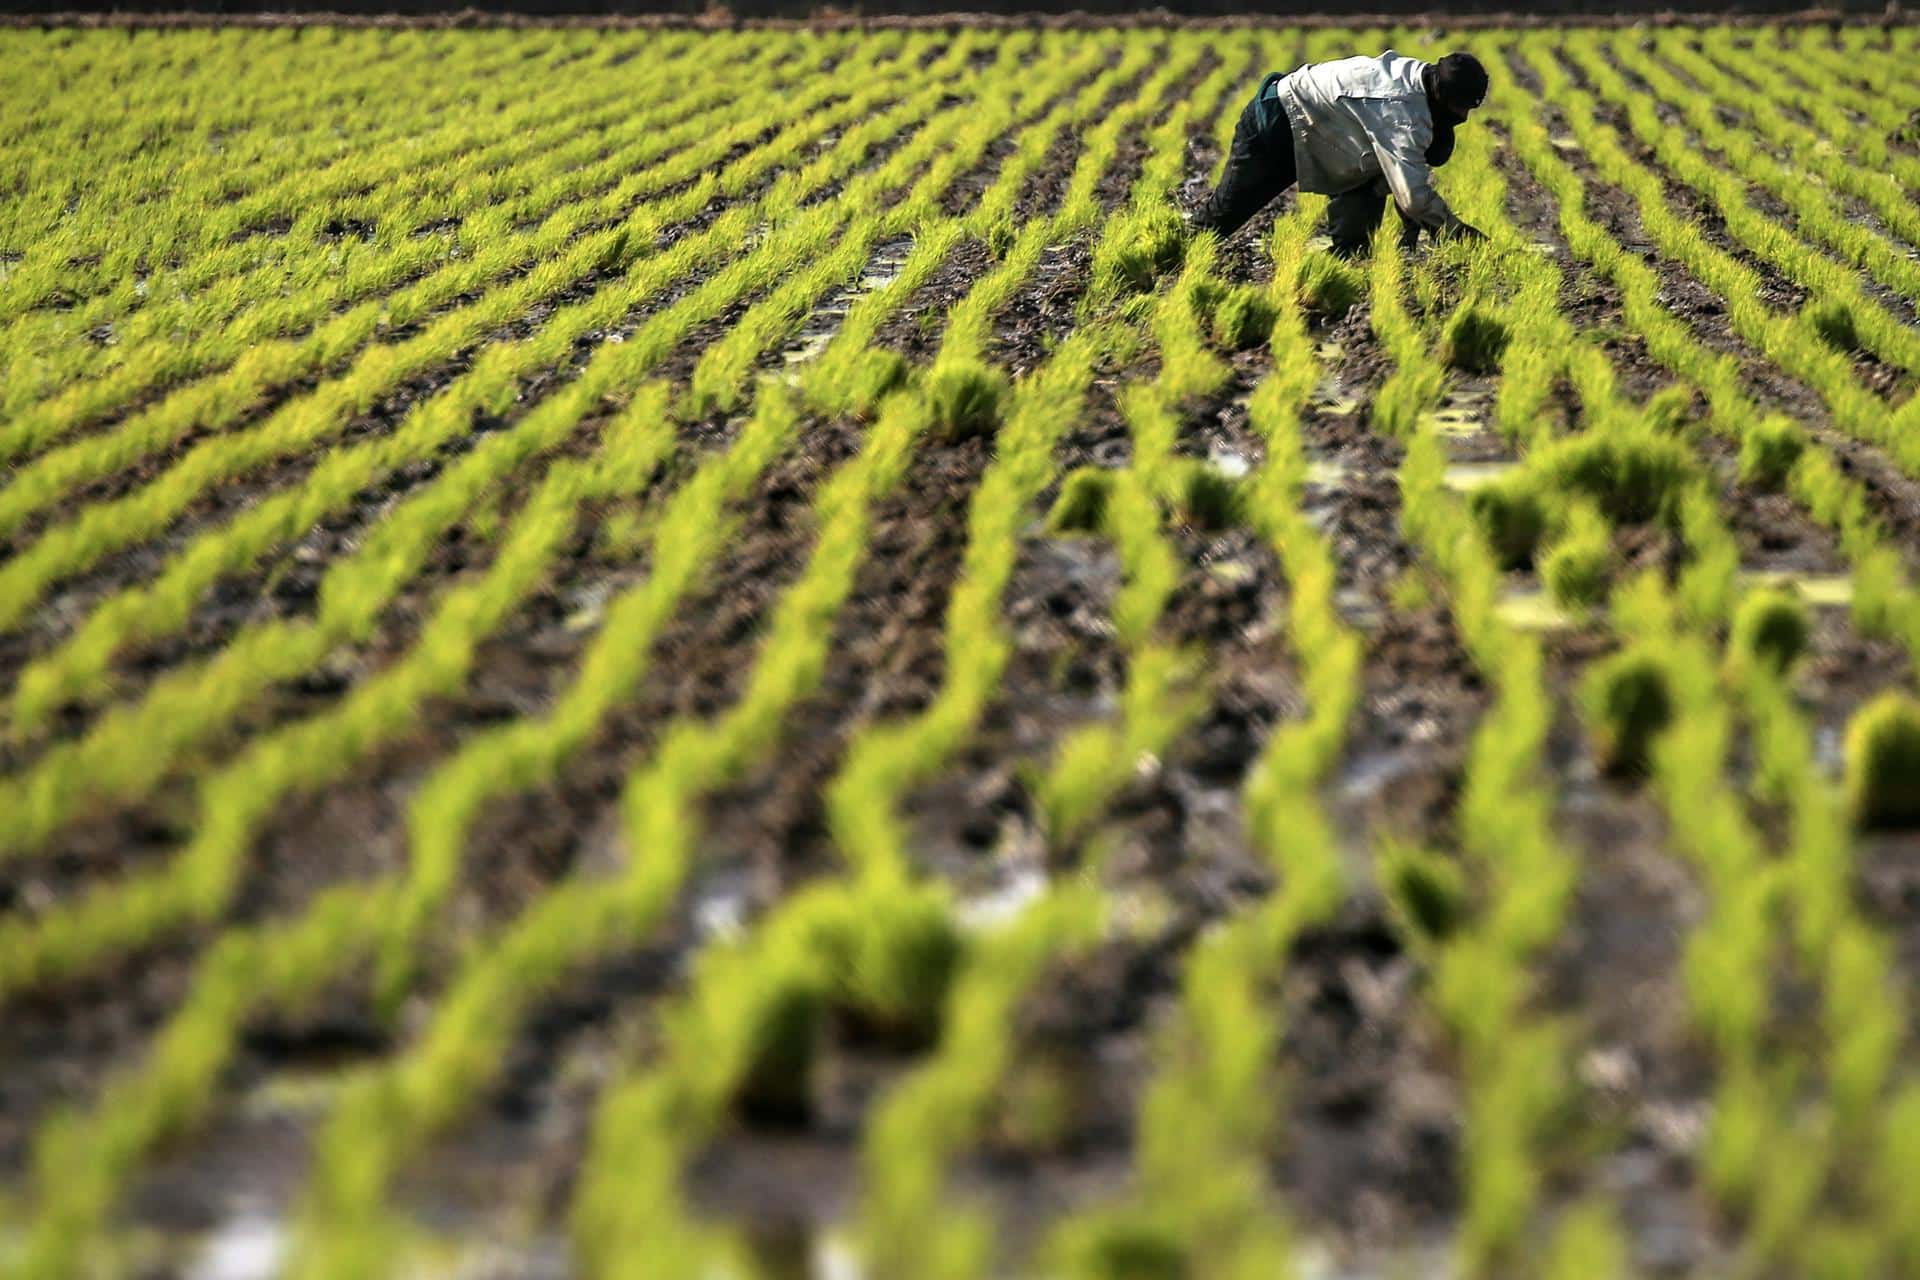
1359, 119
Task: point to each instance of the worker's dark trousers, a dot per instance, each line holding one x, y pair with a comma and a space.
1260, 166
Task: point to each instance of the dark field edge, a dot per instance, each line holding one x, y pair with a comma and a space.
716, 17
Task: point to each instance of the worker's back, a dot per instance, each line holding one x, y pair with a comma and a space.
1340, 110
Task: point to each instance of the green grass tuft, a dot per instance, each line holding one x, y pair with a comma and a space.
1770, 629
1883, 762
1329, 288
1671, 410
1769, 453
1425, 891
1578, 565
1154, 244
1629, 703
1513, 517
890, 959
1633, 477
1474, 340
1082, 504
1834, 321
1210, 501
1244, 318
783, 1048
966, 398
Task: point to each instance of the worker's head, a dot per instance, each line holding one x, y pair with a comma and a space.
1458, 85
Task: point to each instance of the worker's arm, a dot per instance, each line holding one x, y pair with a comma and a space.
1402, 153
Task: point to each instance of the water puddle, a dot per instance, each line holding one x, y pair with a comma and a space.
1821, 590
824, 321
1326, 475
1533, 610
1465, 477
1231, 463
1452, 422
248, 1246
1020, 886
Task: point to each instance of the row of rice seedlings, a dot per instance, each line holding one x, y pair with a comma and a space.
76, 254
1093, 762
1796, 342
1201, 1203
885, 760
907, 1222
1625, 719
192, 321
1839, 309
492, 384
511, 757
660, 804
82, 1163
1480, 941
556, 253
1775, 453
360, 586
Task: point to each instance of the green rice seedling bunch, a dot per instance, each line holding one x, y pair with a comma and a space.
1243, 319
1769, 453
1628, 701
1633, 477
1082, 504
1152, 245
1883, 762
1329, 287
966, 398
1474, 339
1426, 892
1770, 629
1513, 516
1579, 563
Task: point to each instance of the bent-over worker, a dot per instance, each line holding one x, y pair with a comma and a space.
1358, 129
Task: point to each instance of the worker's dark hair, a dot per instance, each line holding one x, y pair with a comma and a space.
1460, 81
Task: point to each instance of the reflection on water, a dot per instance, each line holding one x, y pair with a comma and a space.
247, 1246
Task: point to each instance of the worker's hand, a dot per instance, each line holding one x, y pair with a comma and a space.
1464, 231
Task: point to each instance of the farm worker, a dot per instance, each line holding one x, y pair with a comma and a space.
1357, 129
